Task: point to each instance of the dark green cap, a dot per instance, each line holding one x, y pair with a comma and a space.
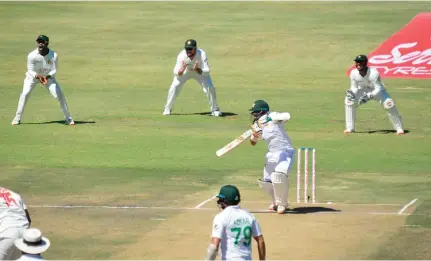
42, 38
361, 58
230, 194
259, 105
190, 43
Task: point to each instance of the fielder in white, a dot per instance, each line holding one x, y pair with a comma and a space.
192, 63
279, 158
233, 229
14, 220
365, 85
42, 66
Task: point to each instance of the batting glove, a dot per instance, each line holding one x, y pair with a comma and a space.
256, 127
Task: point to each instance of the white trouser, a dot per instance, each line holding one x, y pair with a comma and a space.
204, 81
8, 251
52, 86
383, 98
277, 166
281, 161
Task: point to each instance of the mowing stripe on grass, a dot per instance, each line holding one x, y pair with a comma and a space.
407, 206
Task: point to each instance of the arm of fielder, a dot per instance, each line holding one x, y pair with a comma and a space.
213, 249
261, 248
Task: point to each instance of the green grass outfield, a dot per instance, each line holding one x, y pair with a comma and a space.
115, 68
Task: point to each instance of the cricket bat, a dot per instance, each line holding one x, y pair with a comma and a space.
236, 142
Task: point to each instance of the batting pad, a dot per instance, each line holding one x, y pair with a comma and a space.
350, 117
268, 188
281, 188
395, 118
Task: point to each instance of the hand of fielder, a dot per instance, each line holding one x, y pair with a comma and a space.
43, 80
196, 68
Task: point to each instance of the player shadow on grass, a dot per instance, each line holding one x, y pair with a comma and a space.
382, 131
302, 210
61, 122
224, 114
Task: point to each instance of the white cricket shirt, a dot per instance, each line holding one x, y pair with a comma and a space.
12, 211
200, 57
369, 83
42, 65
274, 134
236, 228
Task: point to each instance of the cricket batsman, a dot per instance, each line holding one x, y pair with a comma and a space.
192, 63
279, 158
14, 220
365, 85
233, 229
42, 66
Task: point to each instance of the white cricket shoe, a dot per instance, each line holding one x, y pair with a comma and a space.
70, 122
348, 131
400, 132
273, 207
216, 113
167, 112
16, 121
281, 209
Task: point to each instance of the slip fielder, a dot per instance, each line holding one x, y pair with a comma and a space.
279, 158
365, 85
42, 66
233, 229
14, 219
192, 63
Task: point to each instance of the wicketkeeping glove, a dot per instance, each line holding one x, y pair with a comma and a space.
365, 98
350, 95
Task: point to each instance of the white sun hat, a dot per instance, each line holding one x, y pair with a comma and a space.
32, 242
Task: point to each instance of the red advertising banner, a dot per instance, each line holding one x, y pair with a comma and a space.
407, 53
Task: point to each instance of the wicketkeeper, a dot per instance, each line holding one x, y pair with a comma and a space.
279, 158
365, 85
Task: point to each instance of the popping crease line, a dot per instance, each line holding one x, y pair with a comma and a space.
212, 209
407, 206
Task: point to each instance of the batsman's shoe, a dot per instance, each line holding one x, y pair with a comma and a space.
16, 121
273, 207
167, 112
216, 113
400, 132
70, 122
281, 209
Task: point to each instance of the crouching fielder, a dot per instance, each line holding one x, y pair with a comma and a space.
279, 158
233, 229
366, 85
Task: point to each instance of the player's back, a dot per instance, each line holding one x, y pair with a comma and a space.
12, 210
239, 226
